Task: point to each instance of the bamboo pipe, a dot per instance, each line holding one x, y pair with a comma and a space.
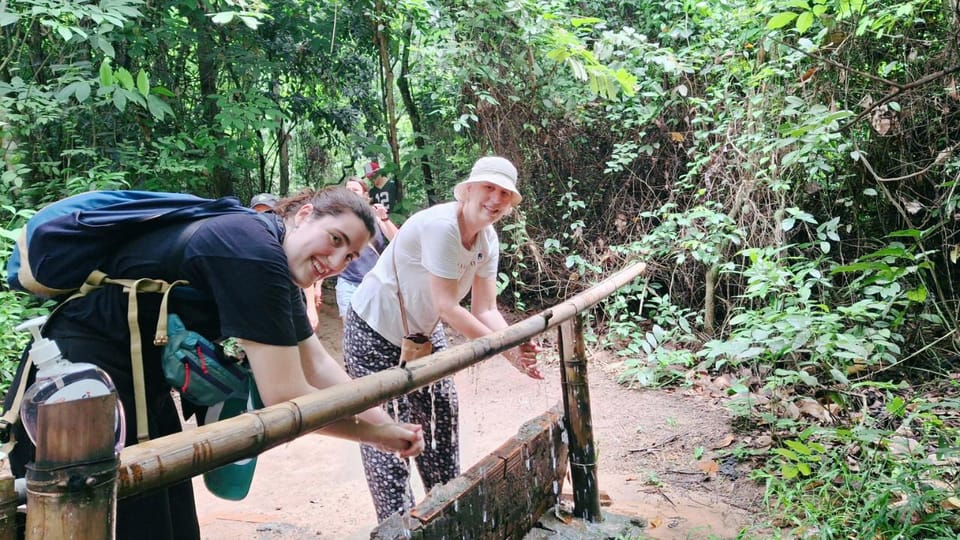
8, 502
71, 485
173, 458
578, 421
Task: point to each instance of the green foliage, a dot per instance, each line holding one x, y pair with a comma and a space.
514, 239
15, 307
796, 458
869, 481
788, 321
568, 48
700, 233
654, 357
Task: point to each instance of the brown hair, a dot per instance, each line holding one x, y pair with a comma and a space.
329, 201
363, 183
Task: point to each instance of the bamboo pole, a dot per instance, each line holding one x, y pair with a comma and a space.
578, 421
173, 458
8, 507
71, 485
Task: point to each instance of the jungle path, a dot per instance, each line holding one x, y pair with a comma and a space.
314, 487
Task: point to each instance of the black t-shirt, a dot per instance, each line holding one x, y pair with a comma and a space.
386, 195
239, 286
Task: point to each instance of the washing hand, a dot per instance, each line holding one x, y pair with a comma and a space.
524, 358
405, 440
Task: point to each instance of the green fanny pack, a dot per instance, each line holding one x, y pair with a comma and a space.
199, 370
206, 376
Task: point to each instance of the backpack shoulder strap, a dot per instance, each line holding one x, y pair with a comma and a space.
11, 415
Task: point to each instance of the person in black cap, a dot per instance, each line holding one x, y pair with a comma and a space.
263, 202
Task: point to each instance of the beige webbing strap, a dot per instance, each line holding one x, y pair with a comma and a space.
13, 414
132, 288
136, 359
160, 337
94, 281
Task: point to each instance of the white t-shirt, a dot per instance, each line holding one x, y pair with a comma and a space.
427, 243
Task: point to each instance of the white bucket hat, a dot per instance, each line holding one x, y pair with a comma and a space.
495, 170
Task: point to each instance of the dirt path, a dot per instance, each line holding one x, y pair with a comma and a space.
314, 487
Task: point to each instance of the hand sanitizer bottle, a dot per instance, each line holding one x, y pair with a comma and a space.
59, 380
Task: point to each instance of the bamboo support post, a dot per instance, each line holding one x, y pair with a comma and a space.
8, 505
71, 485
578, 421
174, 458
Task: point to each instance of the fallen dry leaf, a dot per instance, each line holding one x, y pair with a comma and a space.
791, 411
762, 441
656, 522
813, 409
901, 499
708, 466
725, 442
943, 460
857, 366
951, 503
722, 382
902, 446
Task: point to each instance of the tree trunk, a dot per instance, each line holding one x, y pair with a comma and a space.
382, 36
283, 142
207, 68
262, 163
404, 84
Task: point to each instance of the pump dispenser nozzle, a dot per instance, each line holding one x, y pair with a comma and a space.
43, 350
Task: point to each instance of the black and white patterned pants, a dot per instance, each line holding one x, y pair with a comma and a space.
435, 407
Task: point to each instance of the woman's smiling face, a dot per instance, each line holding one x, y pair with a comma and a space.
321, 246
487, 202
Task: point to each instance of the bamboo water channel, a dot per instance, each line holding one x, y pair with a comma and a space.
177, 457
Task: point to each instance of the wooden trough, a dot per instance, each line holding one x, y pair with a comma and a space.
500, 497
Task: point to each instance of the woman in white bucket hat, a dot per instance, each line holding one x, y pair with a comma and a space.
438, 256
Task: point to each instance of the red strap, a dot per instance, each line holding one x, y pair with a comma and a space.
203, 360
186, 377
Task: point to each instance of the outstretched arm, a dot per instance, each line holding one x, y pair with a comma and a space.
483, 319
284, 373
388, 227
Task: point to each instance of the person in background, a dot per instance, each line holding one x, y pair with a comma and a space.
437, 257
352, 275
382, 189
264, 202
247, 273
